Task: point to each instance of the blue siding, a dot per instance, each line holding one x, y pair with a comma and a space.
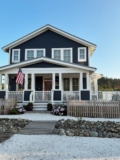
43, 65
49, 40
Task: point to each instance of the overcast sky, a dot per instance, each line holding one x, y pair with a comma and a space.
97, 21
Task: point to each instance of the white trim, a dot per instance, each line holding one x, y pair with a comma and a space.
45, 28
35, 52
9, 56
32, 61
13, 61
88, 56
81, 60
62, 53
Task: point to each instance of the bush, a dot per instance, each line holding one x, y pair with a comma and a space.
17, 110
59, 109
29, 106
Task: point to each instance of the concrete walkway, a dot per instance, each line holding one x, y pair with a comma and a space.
38, 128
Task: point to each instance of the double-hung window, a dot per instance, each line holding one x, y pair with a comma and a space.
30, 54
66, 84
34, 53
64, 54
57, 54
15, 55
82, 54
75, 85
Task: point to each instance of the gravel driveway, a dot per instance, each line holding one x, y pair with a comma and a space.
53, 147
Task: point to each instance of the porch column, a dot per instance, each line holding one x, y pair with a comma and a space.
53, 81
60, 81
6, 82
32, 82
88, 81
96, 85
26, 81
0, 81
81, 81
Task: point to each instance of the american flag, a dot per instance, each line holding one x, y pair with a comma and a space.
20, 77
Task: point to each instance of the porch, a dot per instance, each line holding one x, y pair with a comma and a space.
47, 86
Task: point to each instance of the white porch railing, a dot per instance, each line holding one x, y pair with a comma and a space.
106, 95
70, 95
14, 94
42, 96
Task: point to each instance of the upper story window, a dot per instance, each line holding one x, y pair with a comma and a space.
34, 53
81, 54
15, 55
64, 54
30, 54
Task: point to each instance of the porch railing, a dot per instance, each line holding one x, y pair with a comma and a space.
16, 94
106, 95
70, 95
42, 96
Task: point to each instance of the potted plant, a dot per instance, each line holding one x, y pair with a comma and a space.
49, 106
29, 106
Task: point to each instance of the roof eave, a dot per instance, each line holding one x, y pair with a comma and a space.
43, 29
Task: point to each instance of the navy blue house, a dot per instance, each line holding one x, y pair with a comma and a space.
55, 64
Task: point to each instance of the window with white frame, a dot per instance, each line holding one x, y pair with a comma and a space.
82, 54
75, 85
64, 54
34, 53
30, 54
57, 54
15, 55
40, 53
67, 56
66, 84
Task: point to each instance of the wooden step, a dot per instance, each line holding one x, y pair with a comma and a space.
38, 128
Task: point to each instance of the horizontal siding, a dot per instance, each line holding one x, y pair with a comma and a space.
49, 40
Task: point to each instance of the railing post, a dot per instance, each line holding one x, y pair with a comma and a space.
106, 95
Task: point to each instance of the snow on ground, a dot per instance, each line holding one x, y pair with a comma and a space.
54, 147
48, 116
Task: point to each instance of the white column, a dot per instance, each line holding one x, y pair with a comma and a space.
96, 85
0, 81
81, 81
53, 81
88, 81
26, 81
32, 82
6, 82
60, 81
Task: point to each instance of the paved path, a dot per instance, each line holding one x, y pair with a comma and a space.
38, 128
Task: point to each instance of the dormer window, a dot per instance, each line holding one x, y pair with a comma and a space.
64, 54
82, 54
15, 55
34, 53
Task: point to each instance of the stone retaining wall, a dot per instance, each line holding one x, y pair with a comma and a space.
87, 128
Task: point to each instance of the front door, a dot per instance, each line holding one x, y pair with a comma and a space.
47, 85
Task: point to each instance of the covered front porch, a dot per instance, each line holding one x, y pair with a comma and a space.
55, 85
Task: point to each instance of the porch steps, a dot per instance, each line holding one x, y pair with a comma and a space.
40, 107
38, 128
